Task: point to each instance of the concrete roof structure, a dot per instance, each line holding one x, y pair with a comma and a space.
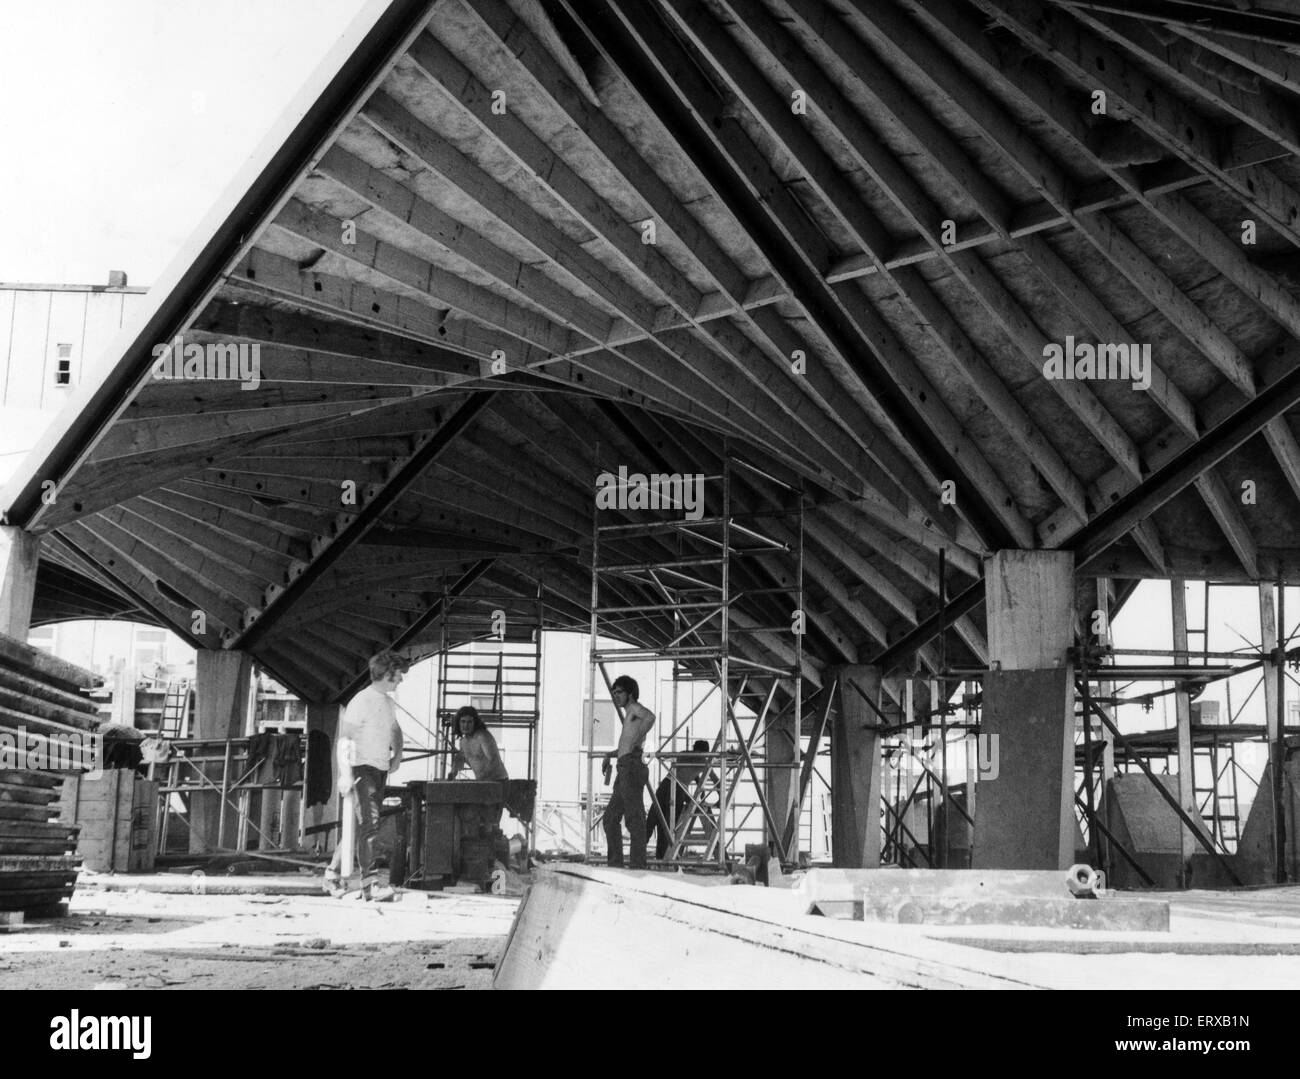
500, 247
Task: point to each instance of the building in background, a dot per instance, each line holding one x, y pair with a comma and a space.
51, 336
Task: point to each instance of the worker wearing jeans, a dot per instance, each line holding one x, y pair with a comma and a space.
368, 793
369, 747
627, 802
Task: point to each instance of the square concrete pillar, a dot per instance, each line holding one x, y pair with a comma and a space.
1026, 815
855, 768
222, 694
19, 554
781, 782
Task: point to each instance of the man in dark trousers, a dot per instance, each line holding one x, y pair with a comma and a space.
626, 801
369, 747
684, 775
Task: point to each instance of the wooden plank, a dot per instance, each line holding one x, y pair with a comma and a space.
1171, 301
43, 830
904, 401
44, 847
13, 865
1268, 112
134, 438
118, 546
1268, 61
34, 663
876, 159
459, 84
42, 780
17, 792
13, 811
1163, 115
1225, 508
25, 704
18, 682
37, 726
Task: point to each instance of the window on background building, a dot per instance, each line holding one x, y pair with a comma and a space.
605, 732
149, 646
63, 366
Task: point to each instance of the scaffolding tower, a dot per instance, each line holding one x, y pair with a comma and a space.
490, 657
729, 583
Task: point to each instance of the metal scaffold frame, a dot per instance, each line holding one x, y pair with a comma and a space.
1104, 677
699, 582
916, 748
191, 769
505, 668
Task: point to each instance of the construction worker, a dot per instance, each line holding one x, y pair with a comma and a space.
626, 802
370, 746
683, 776
478, 748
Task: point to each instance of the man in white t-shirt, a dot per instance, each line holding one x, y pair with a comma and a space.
369, 747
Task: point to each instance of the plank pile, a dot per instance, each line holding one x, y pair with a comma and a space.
46, 728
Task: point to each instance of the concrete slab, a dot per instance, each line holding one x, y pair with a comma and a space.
974, 897
1134, 914
585, 927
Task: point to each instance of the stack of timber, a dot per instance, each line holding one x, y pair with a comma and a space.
38, 853
46, 728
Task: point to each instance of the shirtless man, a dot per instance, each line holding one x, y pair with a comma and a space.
478, 748
626, 802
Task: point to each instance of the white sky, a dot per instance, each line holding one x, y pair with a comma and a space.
124, 120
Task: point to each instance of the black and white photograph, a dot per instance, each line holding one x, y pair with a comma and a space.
651, 495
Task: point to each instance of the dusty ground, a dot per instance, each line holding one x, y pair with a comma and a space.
133, 939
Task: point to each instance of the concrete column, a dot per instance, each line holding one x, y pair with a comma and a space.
1276, 795
855, 768
124, 679
1026, 817
1101, 779
222, 689
19, 553
1106, 689
781, 781
1183, 721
